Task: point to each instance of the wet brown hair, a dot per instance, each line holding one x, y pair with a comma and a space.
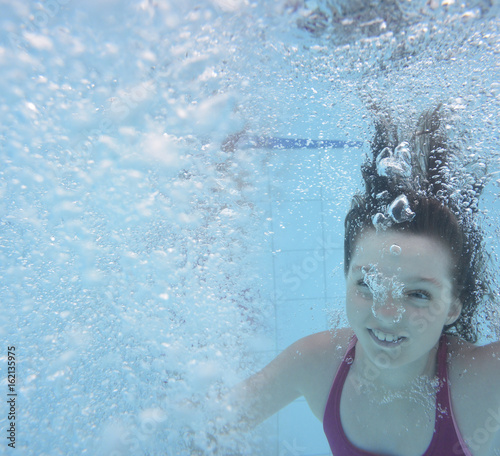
438, 213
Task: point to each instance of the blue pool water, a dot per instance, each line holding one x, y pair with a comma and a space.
145, 268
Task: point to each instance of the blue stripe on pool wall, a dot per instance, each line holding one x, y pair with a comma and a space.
298, 143
269, 142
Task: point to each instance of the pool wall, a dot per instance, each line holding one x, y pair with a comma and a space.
308, 195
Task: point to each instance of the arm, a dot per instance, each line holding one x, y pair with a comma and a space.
248, 404
477, 397
305, 369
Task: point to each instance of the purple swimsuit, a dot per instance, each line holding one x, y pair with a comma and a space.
447, 440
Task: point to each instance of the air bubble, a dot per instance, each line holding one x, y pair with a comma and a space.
395, 250
380, 221
399, 210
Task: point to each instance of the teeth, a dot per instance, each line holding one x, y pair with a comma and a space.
385, 337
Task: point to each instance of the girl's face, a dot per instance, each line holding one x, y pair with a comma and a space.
399, 296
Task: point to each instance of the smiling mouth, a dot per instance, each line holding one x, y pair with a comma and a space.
385, 338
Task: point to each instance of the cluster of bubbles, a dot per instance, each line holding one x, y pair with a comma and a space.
386, 291
395, 165
130, 284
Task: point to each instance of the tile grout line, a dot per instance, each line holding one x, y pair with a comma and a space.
271, 215
323, 238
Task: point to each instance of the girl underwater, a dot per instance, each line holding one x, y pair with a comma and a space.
406, 378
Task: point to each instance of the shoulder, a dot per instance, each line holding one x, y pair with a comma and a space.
478, 359
306, 356
321, 355
314, 354
322, 347
474, 373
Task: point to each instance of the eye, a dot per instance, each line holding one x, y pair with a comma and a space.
419, 295
363, 289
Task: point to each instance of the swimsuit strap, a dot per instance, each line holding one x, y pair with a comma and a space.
332, 425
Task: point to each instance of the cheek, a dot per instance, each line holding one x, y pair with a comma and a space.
428, 318
356, 304
352, 298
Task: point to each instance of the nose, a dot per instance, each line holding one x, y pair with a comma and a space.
388, 310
